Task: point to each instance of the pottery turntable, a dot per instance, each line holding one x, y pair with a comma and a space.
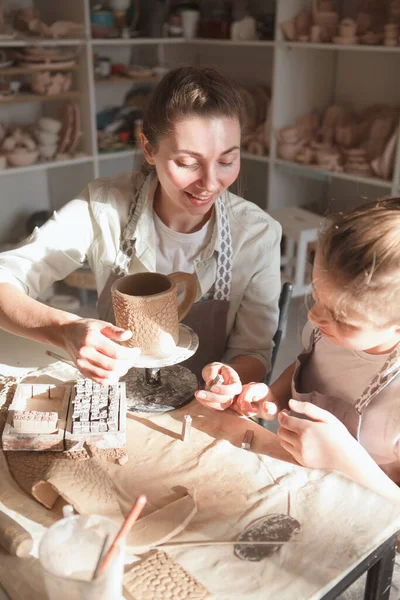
162, 384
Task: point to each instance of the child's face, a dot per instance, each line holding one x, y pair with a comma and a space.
197, 162
355, 331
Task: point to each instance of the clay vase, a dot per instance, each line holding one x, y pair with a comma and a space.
288, 29
347, 28
147, 304
345, 135
316, 34
288, 135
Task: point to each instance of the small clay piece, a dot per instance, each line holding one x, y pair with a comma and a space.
13, 537
275, 527
186, 427
160, 526
247, 439
158, 572
122, 459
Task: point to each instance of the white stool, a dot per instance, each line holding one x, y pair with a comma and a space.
300, 230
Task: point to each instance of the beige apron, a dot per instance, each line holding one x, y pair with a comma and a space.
349, 414
207, 318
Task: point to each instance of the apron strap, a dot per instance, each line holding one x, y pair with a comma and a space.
223, 281
315, 336
388, 372
127, 245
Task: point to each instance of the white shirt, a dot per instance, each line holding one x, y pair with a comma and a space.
90, 227
177, 251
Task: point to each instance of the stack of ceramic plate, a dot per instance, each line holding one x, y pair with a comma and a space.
39, 57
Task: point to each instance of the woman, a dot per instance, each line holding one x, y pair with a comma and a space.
175, 215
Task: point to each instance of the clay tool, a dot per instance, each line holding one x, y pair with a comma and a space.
247, 439
61, 358
218, 379
126, 526
186, 427
101, 556
226, 543
13, 537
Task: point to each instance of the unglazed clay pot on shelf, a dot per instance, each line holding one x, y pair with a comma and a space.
21, 157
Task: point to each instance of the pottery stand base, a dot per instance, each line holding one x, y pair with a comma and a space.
157, 391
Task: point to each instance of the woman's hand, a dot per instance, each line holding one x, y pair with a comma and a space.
323, 443
256, 400
220, 396
93, 347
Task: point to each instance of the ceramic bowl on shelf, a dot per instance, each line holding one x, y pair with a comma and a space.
46, 138
20, 157
48, 151
49, 124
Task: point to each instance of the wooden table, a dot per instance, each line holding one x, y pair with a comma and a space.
345, 527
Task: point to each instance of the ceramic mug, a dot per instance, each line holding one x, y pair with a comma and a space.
147, 304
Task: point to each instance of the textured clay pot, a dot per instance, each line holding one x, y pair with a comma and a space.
147, 305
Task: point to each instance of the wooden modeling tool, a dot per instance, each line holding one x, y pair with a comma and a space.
13, 537
186, 427
101, 556
190, 543
126, 526
61, 358
247, 439
218, 379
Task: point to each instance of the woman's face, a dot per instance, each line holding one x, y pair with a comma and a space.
196, 162
354, 331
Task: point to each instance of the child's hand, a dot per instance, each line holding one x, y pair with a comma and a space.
256, 399
219, 396
323, 443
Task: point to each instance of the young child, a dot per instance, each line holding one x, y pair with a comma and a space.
344, 388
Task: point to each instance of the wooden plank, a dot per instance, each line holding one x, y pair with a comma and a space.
24, 98
10, 71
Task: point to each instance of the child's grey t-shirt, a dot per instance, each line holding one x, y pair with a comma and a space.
336, 371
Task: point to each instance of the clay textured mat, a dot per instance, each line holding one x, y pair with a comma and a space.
160, 577
81, 480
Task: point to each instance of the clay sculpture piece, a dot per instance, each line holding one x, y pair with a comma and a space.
371, 23
362, 144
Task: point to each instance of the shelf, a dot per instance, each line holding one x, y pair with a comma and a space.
120, 154
18, 42
248, 156
135, 41
25, 98
314, 172
227, 42
129, 80
46, 165
10, 71
340, 47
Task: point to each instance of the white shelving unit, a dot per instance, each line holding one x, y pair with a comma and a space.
302, 76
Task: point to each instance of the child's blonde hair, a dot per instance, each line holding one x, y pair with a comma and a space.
360, 251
